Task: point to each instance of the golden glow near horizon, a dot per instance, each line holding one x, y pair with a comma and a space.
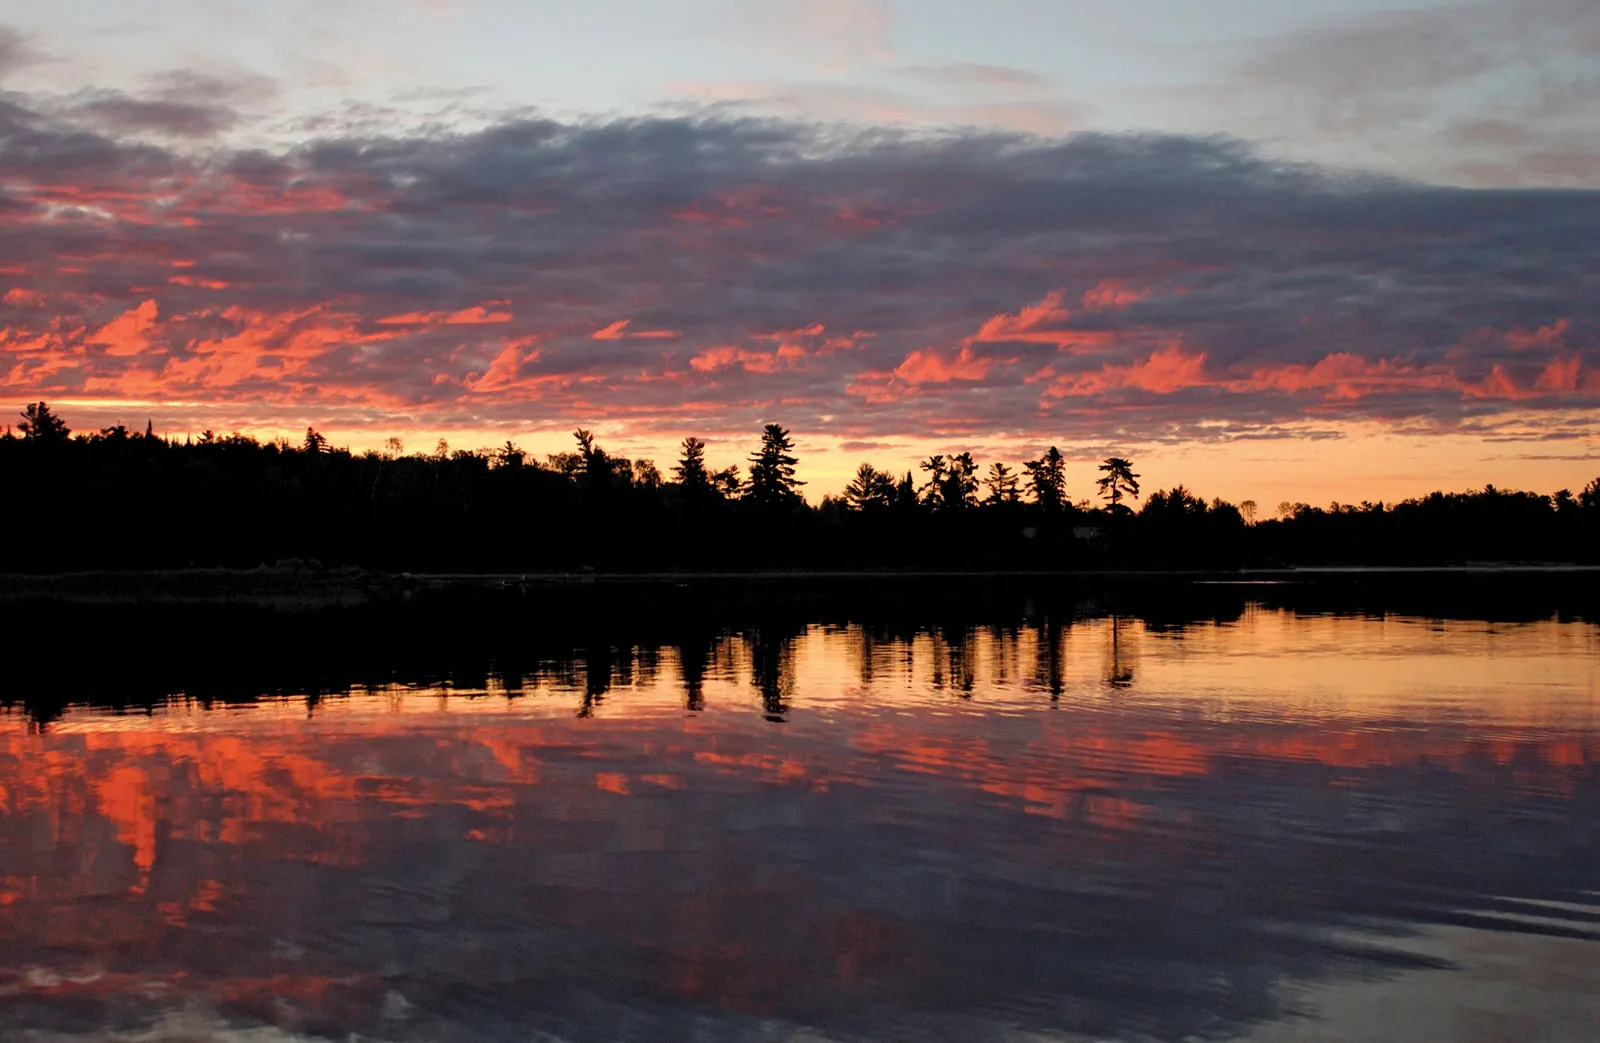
1350, 464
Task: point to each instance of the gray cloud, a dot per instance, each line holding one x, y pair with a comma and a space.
1491, 92
16, 51
969, 75
119, 113
870, 284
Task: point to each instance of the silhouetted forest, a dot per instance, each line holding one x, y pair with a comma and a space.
119, 499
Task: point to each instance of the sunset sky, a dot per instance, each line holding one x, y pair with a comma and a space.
1273, 249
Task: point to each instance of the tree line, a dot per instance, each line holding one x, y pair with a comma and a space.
120, 499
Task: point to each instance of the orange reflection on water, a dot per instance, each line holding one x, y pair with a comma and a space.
132, 846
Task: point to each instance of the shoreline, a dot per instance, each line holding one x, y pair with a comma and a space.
303, 587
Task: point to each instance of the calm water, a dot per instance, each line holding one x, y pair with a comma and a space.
1279, 827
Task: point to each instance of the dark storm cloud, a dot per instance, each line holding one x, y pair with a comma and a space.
705, 272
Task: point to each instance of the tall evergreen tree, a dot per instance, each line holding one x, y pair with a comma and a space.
938, 470
871, 489
1119, 481
39, 424
961, 482
1001, 482
772, 479
1047, 479
597, 465
905, 493
690, 470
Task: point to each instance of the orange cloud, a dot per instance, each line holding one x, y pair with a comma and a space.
502, 372
1042, 323
18, 296
929, 366
1165, 371
728, 355
481, 314
1112, 295
1498, 384
1349, 376
478, 315
618, 331
1025, 323
204, 284
270, 345
812, 341
1563, 374
816, 329
128, 333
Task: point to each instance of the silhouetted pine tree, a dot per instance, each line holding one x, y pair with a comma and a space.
1119, 481
1001, 482
960, 482
870, 490
1047, 480
772, 481
39, 424
690, 470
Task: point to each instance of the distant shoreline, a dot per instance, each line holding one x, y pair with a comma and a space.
310, 587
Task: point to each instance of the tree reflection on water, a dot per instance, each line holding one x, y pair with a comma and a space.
1048, 824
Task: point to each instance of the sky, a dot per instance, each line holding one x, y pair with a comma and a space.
1284, 251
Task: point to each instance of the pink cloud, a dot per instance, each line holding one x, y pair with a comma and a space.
728, 355
619, 331
487, 313
1345, 375
1564, 374
816, 329
1498, 384
1047, 322
1163, 372
204, 284
479, 315
503, 371
128, 333
1548, 338
930, 366
18, 296
1112, 295
1543, 338
1024, 325
275, 346
778, 249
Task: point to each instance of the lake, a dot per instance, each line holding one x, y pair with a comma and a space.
1007, 819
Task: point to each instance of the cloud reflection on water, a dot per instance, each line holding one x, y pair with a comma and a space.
961, 831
